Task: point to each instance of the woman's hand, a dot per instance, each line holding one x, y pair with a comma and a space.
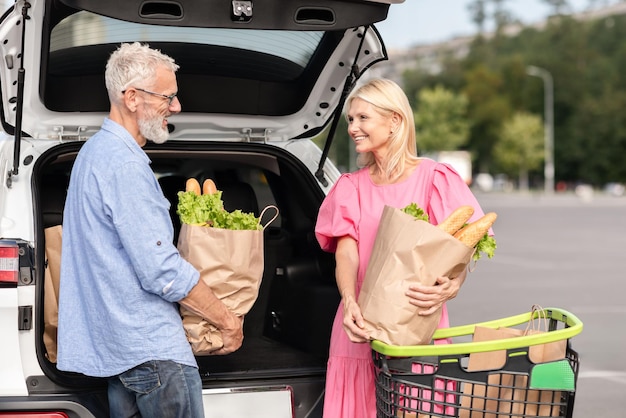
431, 298
353, 322
347, 257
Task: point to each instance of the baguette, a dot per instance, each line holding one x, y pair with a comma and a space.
208, 187
456, 219
192, 185
472, 233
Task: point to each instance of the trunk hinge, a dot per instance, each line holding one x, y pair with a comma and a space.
66, 135
21, 72
353, 76
249, 135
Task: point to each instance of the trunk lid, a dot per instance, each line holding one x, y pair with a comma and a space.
250, 70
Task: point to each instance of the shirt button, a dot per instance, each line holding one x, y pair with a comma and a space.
158, 243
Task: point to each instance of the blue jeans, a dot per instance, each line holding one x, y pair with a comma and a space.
156, 389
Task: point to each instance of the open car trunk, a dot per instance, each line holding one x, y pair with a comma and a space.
259, 82
286, 333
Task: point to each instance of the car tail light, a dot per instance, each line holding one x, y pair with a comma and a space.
33, 415
9, 262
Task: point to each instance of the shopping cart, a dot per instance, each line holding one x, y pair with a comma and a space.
435, 381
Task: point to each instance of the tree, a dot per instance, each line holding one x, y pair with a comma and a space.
501, 15
600, 139
586, 59
558, 6
487, 109
520, 146
478, 14
440, 120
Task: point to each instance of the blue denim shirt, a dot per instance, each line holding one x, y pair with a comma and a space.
120, 271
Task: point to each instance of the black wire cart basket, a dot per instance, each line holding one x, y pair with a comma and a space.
440, 381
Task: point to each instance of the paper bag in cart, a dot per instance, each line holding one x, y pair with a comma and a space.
406, 251
231, 263
509, 393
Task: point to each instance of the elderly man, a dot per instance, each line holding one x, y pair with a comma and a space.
121, 276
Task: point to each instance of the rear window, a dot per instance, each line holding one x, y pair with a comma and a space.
85, 29
222, 70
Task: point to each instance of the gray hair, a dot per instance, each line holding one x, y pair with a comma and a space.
134, 63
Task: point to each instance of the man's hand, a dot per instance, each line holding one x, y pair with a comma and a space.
202, 301
232, 337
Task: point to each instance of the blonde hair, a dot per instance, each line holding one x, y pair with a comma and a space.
388, 98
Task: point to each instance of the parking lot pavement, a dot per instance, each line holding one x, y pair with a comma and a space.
563, 251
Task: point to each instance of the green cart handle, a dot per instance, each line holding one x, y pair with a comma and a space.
573, 326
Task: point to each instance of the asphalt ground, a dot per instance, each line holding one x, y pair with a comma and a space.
568, 252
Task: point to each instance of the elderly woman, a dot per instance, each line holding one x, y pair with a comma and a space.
380, 122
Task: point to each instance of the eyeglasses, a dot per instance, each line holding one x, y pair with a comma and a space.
169, 98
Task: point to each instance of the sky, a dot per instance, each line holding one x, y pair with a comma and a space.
428, 21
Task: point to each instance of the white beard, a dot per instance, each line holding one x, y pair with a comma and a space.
150, 128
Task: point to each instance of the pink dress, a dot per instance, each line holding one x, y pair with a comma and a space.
353, 207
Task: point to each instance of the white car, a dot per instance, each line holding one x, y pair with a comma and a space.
259, 80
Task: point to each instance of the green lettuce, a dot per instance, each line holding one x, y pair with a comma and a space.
487, 246
415, 211
208, 209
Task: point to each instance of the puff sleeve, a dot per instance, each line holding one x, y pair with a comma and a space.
339, 214
449, 192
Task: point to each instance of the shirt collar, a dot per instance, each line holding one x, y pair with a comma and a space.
121, 132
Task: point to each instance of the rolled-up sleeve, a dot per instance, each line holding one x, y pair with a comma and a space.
140, 214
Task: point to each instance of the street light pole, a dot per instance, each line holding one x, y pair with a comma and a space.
548, 108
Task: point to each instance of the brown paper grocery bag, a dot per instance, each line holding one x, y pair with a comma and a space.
231, 263
52, 274
406, 251
516, 397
